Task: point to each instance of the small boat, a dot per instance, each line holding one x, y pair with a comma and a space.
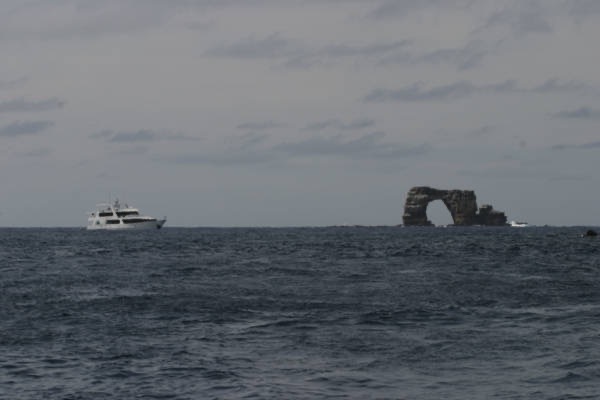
518, 224
114, 217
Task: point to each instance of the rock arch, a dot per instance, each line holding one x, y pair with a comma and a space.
462, 205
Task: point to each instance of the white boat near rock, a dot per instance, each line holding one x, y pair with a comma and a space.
518, 224
115, 217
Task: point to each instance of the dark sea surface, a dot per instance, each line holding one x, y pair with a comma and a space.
300, 313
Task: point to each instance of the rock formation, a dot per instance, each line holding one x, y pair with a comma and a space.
462, 205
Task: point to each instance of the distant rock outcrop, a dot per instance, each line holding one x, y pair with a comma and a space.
462, 205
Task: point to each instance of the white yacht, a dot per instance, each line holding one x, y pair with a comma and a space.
113, 216
518, 224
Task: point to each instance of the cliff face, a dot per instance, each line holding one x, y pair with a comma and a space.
488, 216
462, 205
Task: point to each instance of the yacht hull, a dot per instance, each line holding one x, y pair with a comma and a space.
146, 225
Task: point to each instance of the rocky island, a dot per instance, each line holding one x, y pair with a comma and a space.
462, 205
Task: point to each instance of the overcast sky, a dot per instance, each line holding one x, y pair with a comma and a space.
298, 112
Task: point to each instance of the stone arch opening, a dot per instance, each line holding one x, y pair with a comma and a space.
438, 213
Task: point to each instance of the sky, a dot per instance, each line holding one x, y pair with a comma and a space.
298, 112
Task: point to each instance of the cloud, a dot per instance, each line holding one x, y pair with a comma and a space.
298, 55
345, 50
416, 91
319, 126
561, 147
579, 113
522, 21
259, 126
361, 123
133, 151
554, 85
250, 140
19, 128
105, 134
584, 146
582, 8
482, 131
402, 8
461, 89
13, 84
323, 56
515, 170
398, 8
223, 159
469, 56
376, 52
366, 146
277, 46
141, 135
38, 153
138, 136
200, 26
570, 177
22, 105
357, 124
520, 18
83, 19
272, 46
181, 137
590, 145
248, 152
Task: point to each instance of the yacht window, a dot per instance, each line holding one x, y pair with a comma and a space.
112, 221
105, 214
134, 220
126, 213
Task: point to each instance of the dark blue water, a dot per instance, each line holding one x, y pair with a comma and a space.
349, 313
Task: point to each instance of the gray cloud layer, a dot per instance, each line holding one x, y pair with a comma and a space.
37, 153
137, 136
259, 126
579, 113
521, 18
356, 124
250, 140
19, 128
456, 90
366, 146
584, 146
469, 56
13, 84
141, 135
402, 8
247, 150
298, 55
22, 105
83, 19
277, 46
223, 159
272, 46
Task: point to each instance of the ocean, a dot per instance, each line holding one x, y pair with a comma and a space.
300, 313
